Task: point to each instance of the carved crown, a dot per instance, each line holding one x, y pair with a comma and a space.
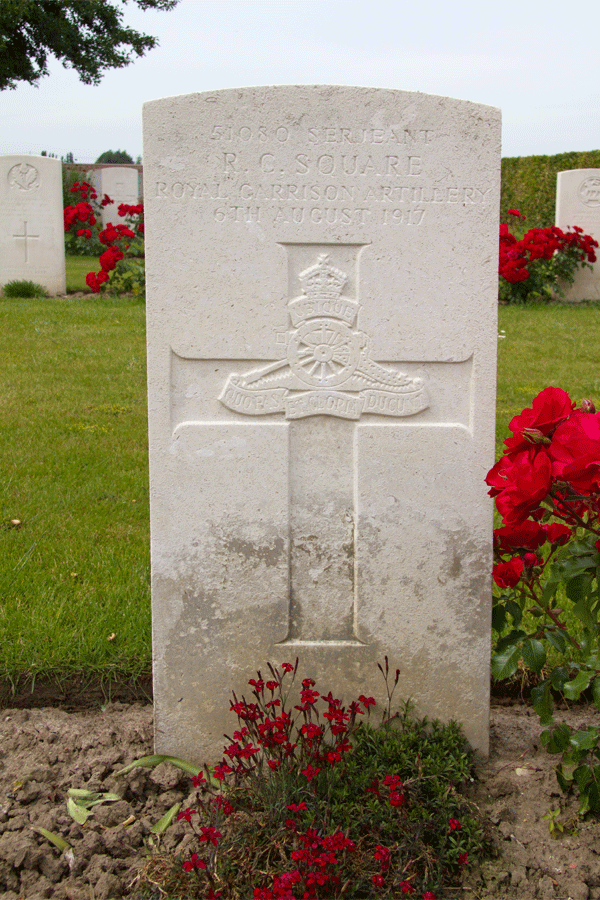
323, 279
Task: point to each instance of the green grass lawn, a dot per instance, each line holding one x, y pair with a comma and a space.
74, 574
77, 269
544, 345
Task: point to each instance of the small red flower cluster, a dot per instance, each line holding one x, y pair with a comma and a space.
311, 740
539, 243
550, 467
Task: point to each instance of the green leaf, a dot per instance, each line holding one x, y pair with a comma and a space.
584, 739
55, 839
79, 813
510, 640
558, 676
564, 775
549, 591
577, 589
557, 639
582, 610
572, 689
513, 608
156, 760
556, 740
542, 702
163, 823
534, 655
504, 664
596, 691
498, 617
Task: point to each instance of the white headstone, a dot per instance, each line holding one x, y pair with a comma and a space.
321, 308
121, 183
32, 235
578, 204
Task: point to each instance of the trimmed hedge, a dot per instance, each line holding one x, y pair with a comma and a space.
529, 183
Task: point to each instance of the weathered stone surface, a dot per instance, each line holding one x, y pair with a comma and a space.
121, 183
322, 300
32, 237
578, 204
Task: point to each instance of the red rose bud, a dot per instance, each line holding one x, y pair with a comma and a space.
587, 406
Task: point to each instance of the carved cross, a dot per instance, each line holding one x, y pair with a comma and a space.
325, 376
26, 237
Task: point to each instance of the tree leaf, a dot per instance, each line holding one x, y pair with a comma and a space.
534, 655
557, 639
556, 740
541, 698
504, 664
585, 739
572, 689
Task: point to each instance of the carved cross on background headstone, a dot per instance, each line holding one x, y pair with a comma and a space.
26, 237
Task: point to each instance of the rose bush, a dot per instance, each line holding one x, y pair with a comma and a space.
547, 560
534, 267
120, 247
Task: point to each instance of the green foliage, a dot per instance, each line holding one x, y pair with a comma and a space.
88, 37
529, 183
24, 289
115, 156
69, 177
129, 278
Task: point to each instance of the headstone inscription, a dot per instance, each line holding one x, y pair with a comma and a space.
578, 204
121, 183
32, 237
321, 311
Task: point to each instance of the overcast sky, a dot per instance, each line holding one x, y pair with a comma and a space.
538, 60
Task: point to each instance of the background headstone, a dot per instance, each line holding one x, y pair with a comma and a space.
121, 183
578, 204
322, 328
32, 236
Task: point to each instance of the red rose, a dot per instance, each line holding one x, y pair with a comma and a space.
557, 534
551, 407
507, 574
575, 452
528, 483
529, 535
